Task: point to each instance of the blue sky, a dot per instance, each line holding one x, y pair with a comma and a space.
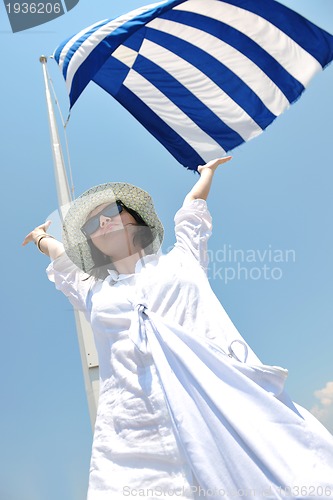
275, 196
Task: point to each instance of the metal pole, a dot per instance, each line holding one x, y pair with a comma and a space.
87, 348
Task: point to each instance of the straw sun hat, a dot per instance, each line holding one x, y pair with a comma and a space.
75, 242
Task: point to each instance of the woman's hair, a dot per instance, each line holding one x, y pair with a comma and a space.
143, 238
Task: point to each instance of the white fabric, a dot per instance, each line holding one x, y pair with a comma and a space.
161, 335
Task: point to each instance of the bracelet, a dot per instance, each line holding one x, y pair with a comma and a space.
41, 234
39, 239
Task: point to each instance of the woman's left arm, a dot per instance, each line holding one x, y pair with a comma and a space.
202, 187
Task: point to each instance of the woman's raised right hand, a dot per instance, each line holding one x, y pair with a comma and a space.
33, 235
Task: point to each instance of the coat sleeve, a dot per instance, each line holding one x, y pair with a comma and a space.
193, 227
70, 280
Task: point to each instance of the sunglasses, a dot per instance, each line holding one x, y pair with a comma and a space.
92, 224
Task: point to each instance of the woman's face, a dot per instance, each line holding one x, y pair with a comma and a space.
114, 237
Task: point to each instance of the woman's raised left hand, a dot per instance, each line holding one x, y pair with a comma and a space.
213, 164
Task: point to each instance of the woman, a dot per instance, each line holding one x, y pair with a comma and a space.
186, 409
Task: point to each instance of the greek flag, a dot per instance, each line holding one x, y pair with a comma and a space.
203, 76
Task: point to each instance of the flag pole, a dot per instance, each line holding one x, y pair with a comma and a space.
87, 348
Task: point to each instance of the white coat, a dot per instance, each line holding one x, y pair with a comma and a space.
186, 409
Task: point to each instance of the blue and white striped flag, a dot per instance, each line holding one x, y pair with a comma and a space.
202, 76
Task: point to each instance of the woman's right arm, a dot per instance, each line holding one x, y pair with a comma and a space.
67, 277
46, 243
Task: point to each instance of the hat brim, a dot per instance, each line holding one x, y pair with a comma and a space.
75, 243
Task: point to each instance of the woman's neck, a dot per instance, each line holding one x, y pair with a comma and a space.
127, 264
